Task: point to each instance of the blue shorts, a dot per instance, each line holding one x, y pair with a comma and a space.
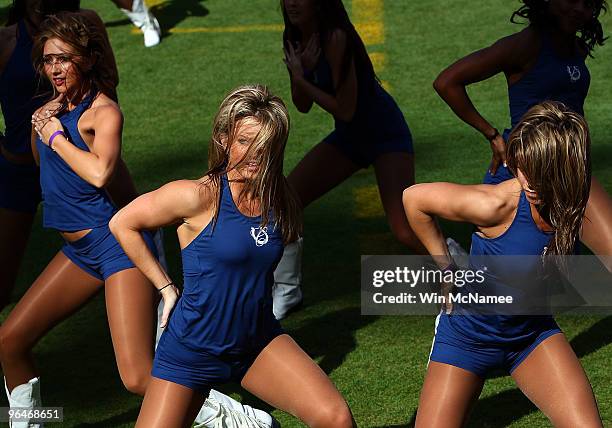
99, 254
197, 370
378, 128
484, 358
19, 186
365, 150
502, 174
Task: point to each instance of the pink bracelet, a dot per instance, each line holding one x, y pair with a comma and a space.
55, 134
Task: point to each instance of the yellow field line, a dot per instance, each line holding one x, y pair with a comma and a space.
276, 28
153, 3
367, 202
368, 19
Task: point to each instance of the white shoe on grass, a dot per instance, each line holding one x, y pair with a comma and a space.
142, 18
221, 411
459, 255
25, 396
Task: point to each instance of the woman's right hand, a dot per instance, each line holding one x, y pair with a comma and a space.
170, 295
310, 54
293, 61
498, 147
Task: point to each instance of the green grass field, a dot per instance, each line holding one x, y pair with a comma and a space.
169, 95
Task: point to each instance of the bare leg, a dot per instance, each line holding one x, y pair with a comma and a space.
15, 230
286, 377
394, 173
553, 379
60, 290
597, 227
130, 307
323, 168
447, 396
169, 405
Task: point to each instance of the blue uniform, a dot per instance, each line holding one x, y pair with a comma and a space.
72, 204
378, 126
224, 317
482, 343
552, 78
19, 99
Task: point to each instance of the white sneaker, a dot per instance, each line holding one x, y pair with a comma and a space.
151, 31
142, 18
221, 411
459, 255
26, 396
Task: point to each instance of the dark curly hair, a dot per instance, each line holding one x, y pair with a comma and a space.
536, 12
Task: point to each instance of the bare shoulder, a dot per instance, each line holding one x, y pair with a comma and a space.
503, 197
103, 101
336, 41
104, 107
520, 47
194, 196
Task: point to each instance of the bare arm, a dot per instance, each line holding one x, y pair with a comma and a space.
97, 165
33, 138
300, 98
173, 203
121, 187
477, 204
343, 104
451, 83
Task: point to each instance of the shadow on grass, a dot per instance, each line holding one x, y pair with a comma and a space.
594, 338
170, 14
127, 417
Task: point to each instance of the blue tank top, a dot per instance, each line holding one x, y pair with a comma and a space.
226, 305
522, 238
70, 203
376, 110
552, 78
19, 96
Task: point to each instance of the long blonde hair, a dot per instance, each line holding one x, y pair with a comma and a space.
269, 186
551, 147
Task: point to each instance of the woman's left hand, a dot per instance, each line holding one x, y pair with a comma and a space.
293, 61
45, 125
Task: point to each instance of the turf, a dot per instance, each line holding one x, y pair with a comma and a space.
169, 95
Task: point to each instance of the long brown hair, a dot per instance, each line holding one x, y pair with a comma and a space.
551, 147
87, 45
270, 187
